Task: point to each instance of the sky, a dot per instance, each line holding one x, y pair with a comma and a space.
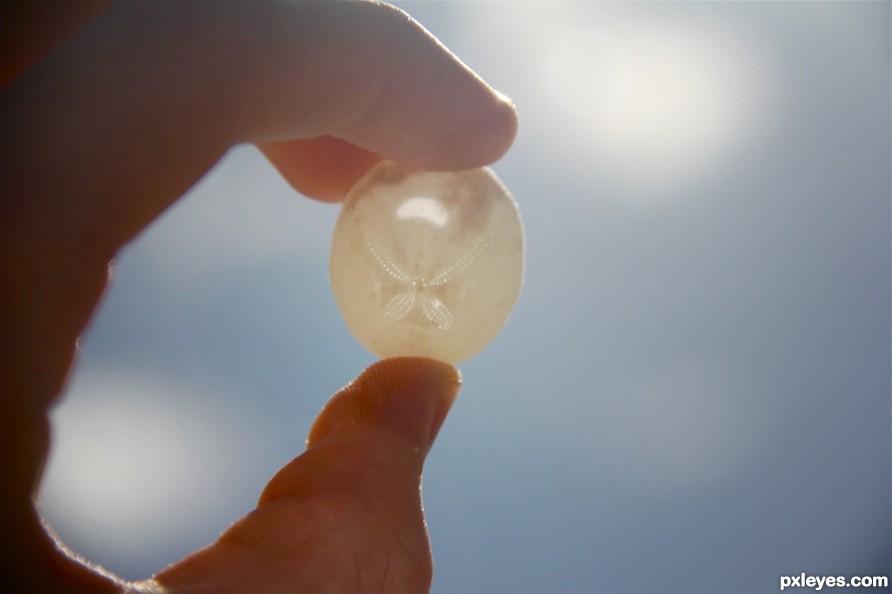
692, 393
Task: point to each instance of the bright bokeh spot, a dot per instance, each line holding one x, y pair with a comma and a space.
136, 462
658, 101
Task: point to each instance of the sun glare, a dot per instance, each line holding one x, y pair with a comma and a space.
659, 100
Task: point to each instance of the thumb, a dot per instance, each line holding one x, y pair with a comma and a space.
346, 515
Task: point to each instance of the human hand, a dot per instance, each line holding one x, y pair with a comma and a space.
102, 134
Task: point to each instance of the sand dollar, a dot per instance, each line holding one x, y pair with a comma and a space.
427, 264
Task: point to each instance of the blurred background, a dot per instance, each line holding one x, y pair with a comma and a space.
693, 392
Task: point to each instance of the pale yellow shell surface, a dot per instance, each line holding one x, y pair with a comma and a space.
427, 264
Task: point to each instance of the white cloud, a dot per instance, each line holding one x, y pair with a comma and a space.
141, 464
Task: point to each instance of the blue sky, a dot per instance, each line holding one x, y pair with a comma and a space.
693, 392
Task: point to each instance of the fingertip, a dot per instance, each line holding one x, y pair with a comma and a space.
448, 126
404, 396
426, 108
491, 131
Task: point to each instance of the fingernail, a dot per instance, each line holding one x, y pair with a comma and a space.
504, 98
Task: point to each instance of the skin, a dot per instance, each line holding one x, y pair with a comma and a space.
108, 115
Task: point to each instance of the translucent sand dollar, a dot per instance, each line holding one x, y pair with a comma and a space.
427, 264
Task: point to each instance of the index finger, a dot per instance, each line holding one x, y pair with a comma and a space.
118, 122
